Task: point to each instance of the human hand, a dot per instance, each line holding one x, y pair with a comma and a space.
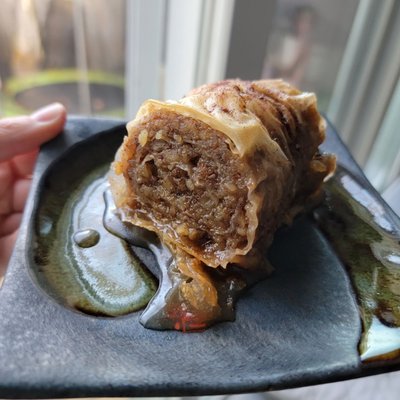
20, 138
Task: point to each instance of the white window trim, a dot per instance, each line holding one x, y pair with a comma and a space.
194, 35
215, 40
183, 41
144, 47
198, 34
368, 75
383, 165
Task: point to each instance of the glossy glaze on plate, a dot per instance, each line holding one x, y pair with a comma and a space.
366, 236
80, 260
75, 259
298, 327
167, 309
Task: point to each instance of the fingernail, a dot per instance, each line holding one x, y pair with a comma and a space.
48, 113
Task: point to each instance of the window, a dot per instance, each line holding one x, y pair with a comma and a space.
63, 50
103, 57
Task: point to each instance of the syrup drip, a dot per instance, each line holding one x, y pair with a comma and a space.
169, 308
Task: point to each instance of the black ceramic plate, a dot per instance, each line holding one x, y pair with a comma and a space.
299, 327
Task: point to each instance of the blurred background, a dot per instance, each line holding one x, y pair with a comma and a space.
103, 58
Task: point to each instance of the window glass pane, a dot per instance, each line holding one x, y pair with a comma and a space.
71, 51
301, 41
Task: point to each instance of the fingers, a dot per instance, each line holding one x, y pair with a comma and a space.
13, 201
23, 134
10, 224
20, 138
21, 191
6, 184
15, 182
6, 179
23, 164
6, 247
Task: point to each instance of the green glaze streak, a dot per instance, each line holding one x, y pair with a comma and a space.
367, 239
98, 275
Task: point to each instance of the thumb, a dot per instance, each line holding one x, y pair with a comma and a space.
19, 135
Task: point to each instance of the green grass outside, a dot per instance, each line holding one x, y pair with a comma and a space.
16, 85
